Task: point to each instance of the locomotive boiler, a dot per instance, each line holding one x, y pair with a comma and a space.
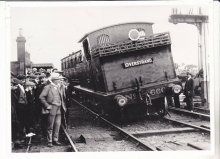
124, 67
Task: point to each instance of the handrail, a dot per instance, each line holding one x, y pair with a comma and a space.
127, 46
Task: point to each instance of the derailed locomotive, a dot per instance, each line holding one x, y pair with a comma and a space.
124, 66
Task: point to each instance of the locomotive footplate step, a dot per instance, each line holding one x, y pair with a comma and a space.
200, 145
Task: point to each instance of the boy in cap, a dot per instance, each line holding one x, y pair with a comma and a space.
189, 91
30, 109
51, 98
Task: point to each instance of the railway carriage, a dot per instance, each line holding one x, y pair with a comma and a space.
124, 67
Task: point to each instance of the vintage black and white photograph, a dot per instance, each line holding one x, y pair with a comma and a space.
110, 77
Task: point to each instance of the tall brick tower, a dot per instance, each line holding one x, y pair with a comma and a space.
21, 52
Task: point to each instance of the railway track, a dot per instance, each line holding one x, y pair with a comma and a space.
34, 146
203, 116
73, 147
187, 124
122, 132
202, 110
140, 136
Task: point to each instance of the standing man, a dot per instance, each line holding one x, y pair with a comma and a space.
14, 119
52, 101
189, 92
44, 112
22, 106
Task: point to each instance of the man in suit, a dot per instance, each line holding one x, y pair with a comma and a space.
44, 112
189, 92
52, 101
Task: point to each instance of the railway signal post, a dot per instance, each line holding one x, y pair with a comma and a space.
201, 22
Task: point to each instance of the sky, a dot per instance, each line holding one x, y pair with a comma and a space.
52, 33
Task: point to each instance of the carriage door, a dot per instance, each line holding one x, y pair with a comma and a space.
88, 74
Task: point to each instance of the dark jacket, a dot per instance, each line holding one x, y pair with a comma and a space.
189, 87
30, 98
14, 102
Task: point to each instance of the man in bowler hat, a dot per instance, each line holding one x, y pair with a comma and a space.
52, 101
189, 92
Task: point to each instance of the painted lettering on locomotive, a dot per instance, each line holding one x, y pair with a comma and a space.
124, 66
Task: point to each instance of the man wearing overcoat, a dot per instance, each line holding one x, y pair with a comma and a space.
189, 91
52, 100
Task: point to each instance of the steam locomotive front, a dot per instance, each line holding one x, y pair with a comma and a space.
137, 66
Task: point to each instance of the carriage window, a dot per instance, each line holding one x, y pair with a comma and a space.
102, 39
86, 50
73, 61
62, 66
67, 64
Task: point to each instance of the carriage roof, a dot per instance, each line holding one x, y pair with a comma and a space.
74, 53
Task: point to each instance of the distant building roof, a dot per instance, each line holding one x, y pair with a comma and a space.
49, 65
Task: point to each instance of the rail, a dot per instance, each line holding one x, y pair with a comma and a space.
127, 46
70, 140
187, 124
128, 136
205, 116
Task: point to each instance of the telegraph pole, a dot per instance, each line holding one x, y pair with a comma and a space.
201, 22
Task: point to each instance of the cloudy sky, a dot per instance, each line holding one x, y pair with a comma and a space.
53, 32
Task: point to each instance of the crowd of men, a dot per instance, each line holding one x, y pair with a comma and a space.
39, 100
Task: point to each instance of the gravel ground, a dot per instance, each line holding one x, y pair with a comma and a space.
178, 141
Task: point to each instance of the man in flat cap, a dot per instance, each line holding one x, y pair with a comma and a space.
22, 104
189, 92
52, 101
14, 119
